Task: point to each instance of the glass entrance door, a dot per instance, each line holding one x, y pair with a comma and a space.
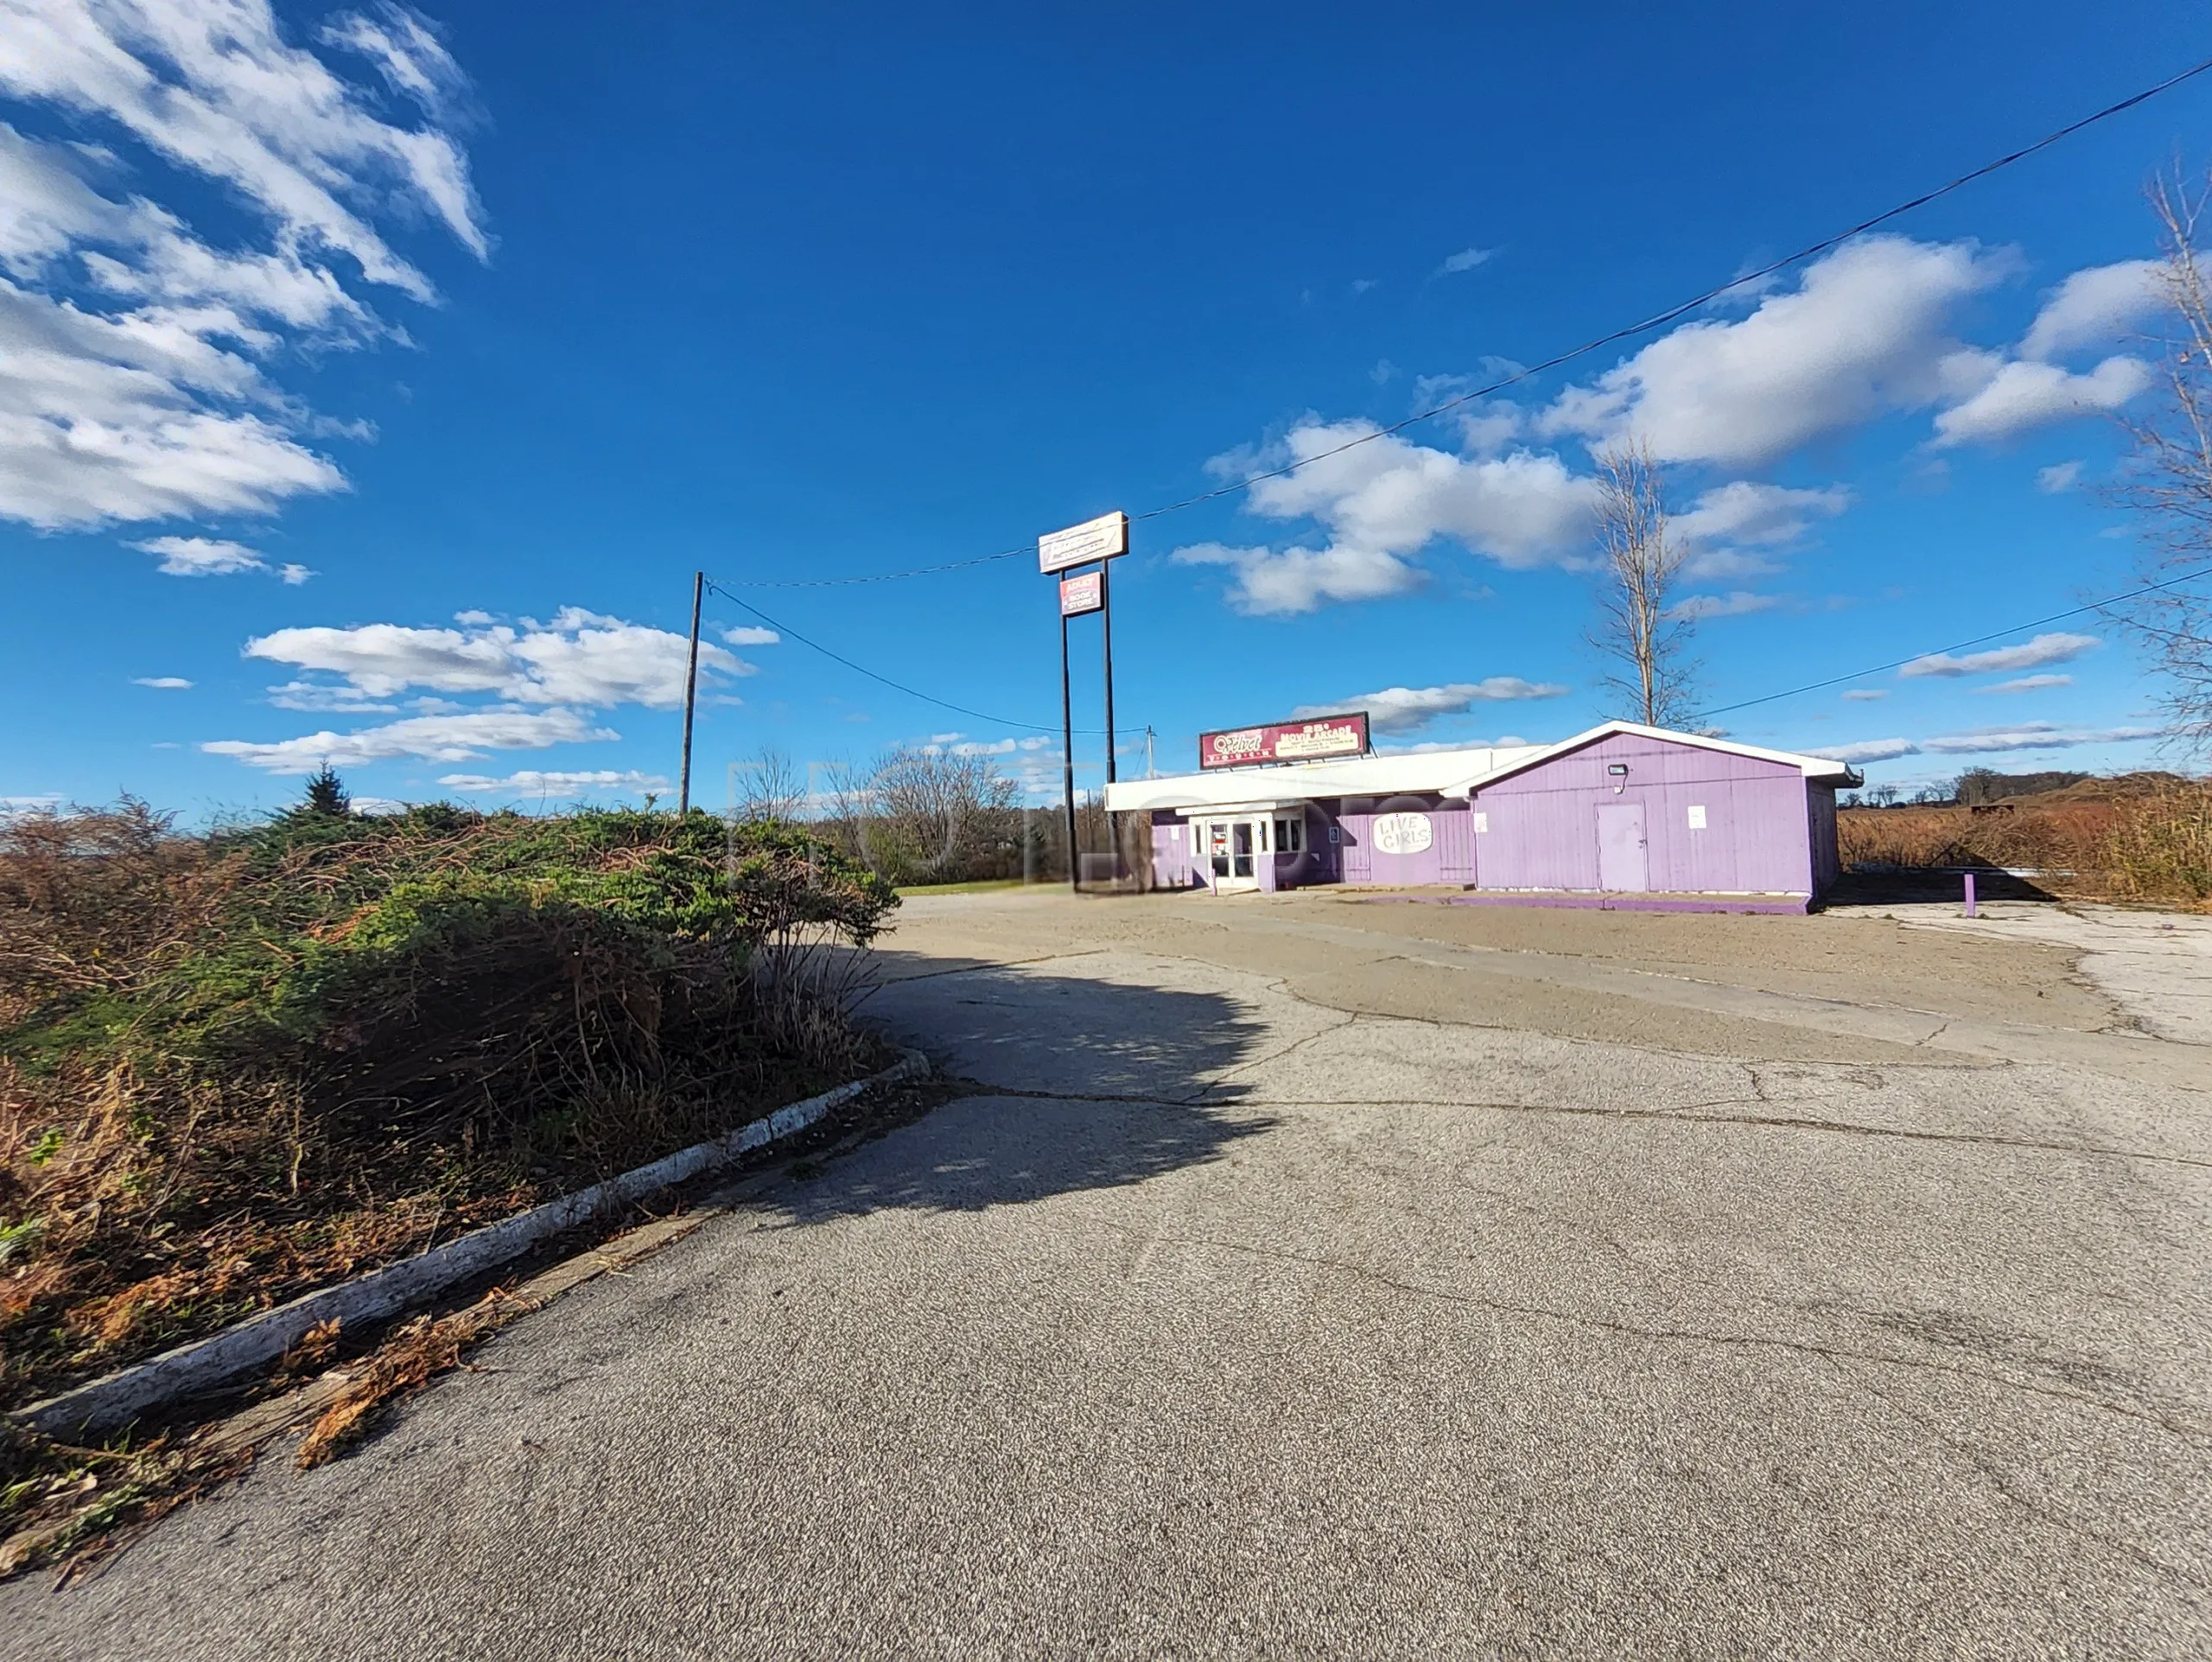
1231, 852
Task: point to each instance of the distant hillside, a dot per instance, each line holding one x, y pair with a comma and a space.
1978, 786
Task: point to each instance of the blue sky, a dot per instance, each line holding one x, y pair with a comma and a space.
384, 376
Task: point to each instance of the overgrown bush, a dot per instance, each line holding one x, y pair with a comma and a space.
2161, 848
232, 1067
2149, 845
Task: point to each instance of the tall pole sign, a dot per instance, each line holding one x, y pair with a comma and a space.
1092, 543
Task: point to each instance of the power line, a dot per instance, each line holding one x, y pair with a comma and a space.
1961, 646
1723, 709
896, 686
1657, 320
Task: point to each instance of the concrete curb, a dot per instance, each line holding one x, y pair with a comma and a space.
206, 1364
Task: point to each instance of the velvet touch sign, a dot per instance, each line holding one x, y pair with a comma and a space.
1307, 741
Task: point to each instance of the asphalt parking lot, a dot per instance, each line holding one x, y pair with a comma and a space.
1315, 1275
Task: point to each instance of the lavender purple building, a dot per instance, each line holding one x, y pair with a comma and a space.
1621, 815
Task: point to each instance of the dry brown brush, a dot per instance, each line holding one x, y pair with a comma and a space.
236, 1067
2151, 845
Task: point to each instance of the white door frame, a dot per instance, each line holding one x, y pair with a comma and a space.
1225, 878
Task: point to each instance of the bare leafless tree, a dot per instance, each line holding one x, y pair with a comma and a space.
2168, 478
928, 814
1641, 628
768, 788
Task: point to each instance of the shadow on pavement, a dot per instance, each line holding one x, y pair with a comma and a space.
1922, 887
1076, 1084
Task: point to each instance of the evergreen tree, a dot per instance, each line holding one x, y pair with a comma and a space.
327, 795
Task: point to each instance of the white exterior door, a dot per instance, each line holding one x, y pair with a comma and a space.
1230, 853
1622, 864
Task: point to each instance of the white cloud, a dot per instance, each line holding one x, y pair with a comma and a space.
1723, 529
1408, 710
325, 699
2059, 476
14, 808
579, 658
2056, 648
379, 807
1982, 742
2093, 306
428, 738
530, 782
201, 556
1741, 603
1277, 583
1466, 260
1871, 750
294, 576
2024, 394
165, 683
1764, 516
1382, 503
745, 635
131, 352
1865, 695
1864, 333
2030, 684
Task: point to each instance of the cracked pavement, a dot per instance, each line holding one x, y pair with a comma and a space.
1305, 1277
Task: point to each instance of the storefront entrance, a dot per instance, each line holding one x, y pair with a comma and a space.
1229, 852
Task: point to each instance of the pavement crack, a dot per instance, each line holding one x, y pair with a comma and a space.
2002, 1482
1695, 1114
1679, 1335
1350, 1017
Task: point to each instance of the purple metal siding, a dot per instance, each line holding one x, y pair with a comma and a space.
1542, 824
1172, 866
1449, 858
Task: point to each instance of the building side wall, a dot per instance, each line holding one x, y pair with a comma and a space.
1171, 865
1828, 857
1541, 826
1449, 858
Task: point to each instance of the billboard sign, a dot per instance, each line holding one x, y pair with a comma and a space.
1316, 740
1094, 539
1082, 592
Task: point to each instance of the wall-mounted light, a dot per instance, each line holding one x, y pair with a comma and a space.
1619, 771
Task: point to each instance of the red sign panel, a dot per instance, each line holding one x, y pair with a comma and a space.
1081, 593
1310, 741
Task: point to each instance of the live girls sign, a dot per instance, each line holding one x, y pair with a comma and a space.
1308, 740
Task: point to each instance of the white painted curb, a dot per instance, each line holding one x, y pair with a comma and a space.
102, 1404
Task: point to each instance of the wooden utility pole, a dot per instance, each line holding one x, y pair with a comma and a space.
691, 694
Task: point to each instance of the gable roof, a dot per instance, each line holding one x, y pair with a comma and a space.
1821, 767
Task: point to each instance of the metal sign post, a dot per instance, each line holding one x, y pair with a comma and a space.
1095, 542
1067, 759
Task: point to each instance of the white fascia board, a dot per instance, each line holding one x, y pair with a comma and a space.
1420, 773
1417, 773
1811, 766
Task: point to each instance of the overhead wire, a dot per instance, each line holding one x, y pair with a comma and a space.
896, 686
1657, 320
1961, 646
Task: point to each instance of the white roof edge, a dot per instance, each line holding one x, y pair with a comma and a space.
1811, 766
1344, 776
